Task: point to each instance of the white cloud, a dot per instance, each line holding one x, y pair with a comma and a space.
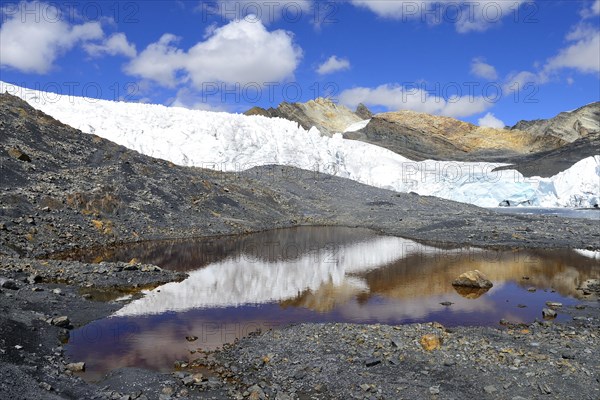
266, 11
467, 16
159, 62
483, 70
399, 9
116, 44
522, 80
240, 52
394, 97
32, 44
333, 64
483, 14
583, 54
490, 121
592, 10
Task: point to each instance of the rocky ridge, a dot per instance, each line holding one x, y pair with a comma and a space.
566, 126
327, 116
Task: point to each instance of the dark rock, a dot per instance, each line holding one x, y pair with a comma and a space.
372, 362
300, 374
363, 112
34, 279
8, 284
62, 322
18, 154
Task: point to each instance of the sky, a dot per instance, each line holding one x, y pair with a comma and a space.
488, 62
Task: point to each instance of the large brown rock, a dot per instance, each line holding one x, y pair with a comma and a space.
473, 279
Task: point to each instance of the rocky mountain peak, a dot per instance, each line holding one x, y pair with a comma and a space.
566, 126
323, 113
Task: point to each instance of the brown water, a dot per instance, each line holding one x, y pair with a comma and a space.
315, 274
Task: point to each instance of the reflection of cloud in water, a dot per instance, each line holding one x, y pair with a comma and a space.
335, 276
235, 281
414, 308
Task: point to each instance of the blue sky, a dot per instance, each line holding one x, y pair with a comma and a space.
488, 62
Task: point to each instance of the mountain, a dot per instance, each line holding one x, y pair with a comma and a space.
323, 114
566, 126
237, 143
552, 162
421, 136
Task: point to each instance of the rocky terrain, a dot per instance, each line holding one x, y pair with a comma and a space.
340, 361
421, 136
64, 190
321, 113
551, 162
566, 126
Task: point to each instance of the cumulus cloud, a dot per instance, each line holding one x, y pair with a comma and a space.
159, 62
35, 34
32, 44
467, 16
395, 97
240, 52
490, 121
583, 53
483, 70
522, 80
333, 64
116, 44
266, 11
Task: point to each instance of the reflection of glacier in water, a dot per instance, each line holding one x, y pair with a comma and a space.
243, 279
315, 274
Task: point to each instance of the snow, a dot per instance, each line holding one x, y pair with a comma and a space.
234, 142
357, 126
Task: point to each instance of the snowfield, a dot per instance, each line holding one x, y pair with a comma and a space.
234, 142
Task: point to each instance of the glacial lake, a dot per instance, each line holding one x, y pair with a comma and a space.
267, 280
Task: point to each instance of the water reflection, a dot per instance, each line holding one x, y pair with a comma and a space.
237, 285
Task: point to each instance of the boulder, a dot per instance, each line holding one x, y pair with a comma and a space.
430, 342
76, 367
18, 154
473, 279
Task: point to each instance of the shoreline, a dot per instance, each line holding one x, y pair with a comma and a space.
238, 372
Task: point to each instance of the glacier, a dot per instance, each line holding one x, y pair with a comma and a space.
235, 142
